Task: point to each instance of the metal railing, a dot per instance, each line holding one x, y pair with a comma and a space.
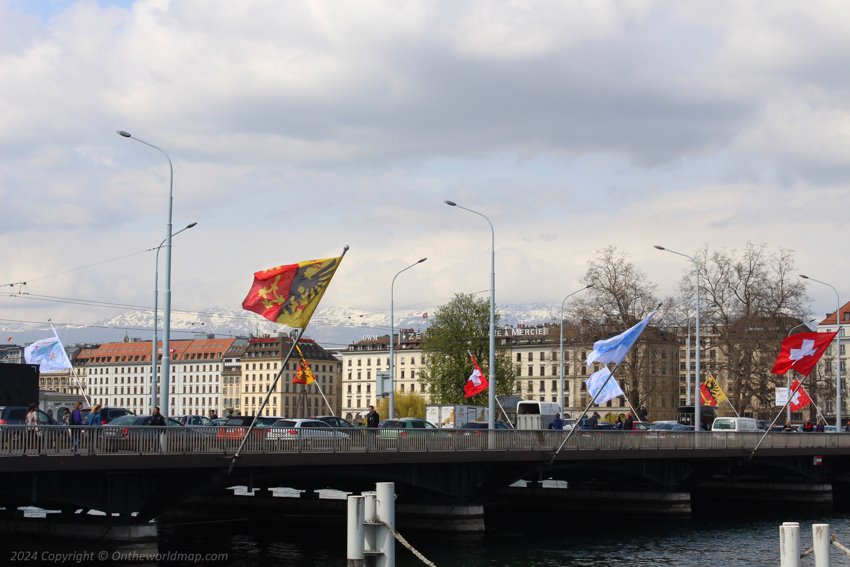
111, 440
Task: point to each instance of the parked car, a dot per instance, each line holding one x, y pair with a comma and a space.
479, 425
304, 433
219, 421
133, 433
335, 421
669, 426
107, 414
392, 431
236, 427
15, 418
195, 421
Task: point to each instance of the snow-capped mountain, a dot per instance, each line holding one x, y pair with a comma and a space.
332, 327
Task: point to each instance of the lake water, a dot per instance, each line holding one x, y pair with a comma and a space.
634, 543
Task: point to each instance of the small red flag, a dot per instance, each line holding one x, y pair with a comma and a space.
477, 382
800, 399
801, 352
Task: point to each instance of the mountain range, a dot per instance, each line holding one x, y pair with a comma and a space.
332, 327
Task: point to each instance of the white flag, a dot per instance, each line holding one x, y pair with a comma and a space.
609, 392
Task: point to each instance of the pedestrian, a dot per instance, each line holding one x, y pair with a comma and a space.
808, 427
629, 423
76, 422
557, 423
31, 421
66, 420
618, 425
821, 426
372, 421
157, 420
94, 421
594, 421
847, 427
787, 426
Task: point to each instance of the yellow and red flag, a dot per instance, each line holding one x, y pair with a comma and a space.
290, 294
303, 375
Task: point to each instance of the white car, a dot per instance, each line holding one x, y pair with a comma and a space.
310, 433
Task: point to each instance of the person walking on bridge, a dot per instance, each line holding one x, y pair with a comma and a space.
372, 422
158, 420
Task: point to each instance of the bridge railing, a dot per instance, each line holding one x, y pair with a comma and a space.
87, 440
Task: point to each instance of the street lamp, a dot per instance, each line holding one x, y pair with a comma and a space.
392, 328
154, 356
166, 332
837, 351
561, 355
788, 375
697, 398
491, 390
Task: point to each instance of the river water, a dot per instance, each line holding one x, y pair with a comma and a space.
719, 542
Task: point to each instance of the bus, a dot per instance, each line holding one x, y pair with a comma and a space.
685, 416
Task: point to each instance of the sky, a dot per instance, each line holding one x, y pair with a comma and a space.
296, 128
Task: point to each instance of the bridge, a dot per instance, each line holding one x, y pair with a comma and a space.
140, 472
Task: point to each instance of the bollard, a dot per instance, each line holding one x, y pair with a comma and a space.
821, 544
789, 544
386, 514
370, 516
355, 556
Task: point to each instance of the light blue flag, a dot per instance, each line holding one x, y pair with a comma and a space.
615, 349
595, 384
49, 354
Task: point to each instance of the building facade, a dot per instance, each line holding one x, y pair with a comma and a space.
261, 363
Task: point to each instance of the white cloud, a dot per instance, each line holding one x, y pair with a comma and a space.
296, 128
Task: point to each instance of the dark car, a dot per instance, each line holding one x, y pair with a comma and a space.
16, 415
107, 414
14, 418
195, 421
133, 433
483, 425
336, 422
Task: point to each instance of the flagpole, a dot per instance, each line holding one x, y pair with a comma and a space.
266, 400
578, 421
787, 402
327, 403
504, 412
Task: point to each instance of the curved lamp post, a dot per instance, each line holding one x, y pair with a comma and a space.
166, 332
491, 390
154, 355
561, 355
837, 350
697, 398
392, 330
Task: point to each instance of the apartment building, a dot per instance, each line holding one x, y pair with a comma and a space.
263, 360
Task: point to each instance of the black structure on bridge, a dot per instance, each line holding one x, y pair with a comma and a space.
152, 483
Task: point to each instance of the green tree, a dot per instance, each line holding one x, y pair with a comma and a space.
407, 404
460, 327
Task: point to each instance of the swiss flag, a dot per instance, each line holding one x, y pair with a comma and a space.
477, 382
800, 399
801, 352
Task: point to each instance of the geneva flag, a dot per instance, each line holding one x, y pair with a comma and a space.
801, 352
290, 294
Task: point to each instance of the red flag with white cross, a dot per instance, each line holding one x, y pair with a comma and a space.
801, 352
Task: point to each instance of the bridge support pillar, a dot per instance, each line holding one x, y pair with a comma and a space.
597, 500
440, 517
767, 494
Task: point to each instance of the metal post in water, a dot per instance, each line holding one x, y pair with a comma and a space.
789, 544
370, 517
386, 514
821, 543
355, 549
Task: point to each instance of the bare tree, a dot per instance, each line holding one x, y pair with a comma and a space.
621, 296
749, 302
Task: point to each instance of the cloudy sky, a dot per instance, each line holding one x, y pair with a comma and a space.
296, 128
